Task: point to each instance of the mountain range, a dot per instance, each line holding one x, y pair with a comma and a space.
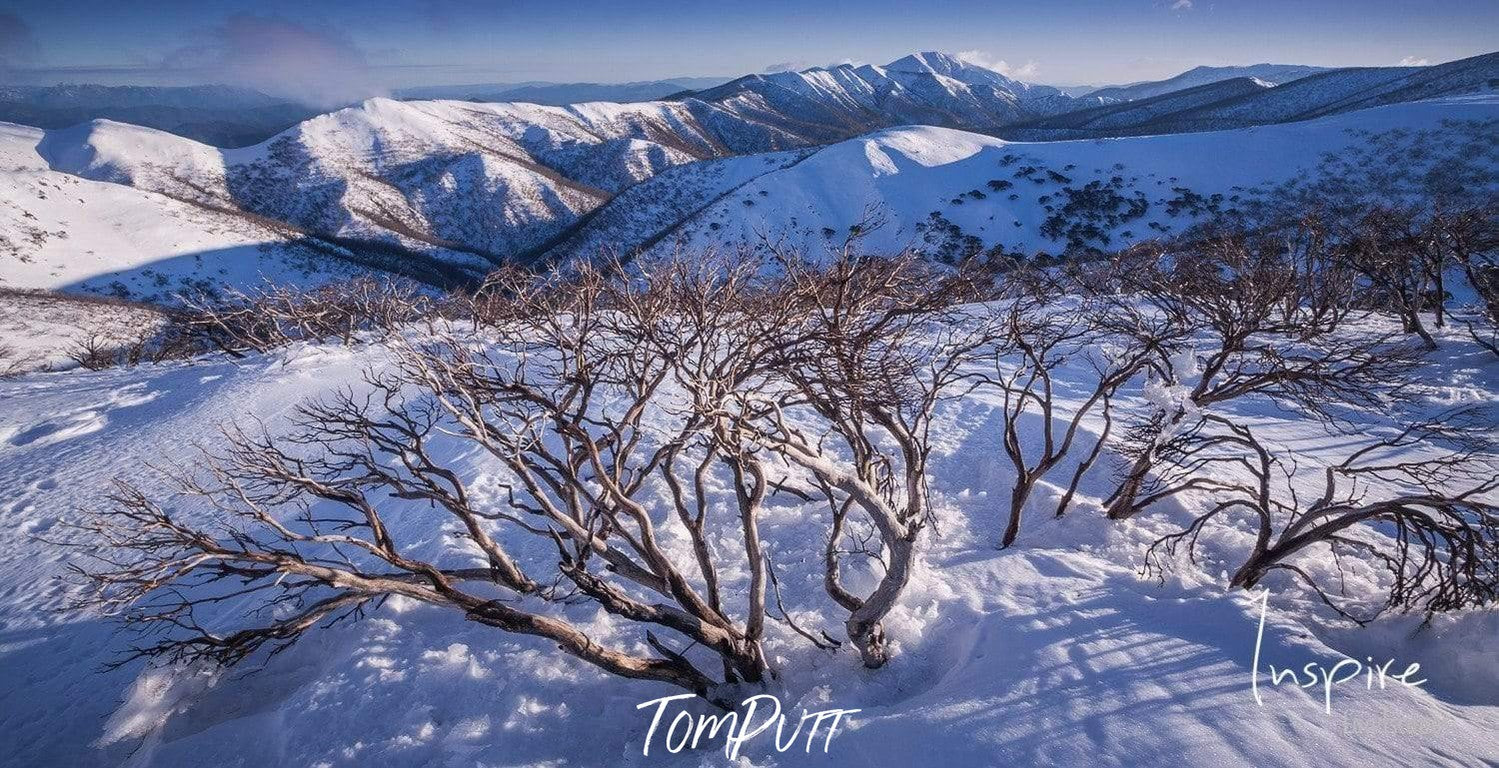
561, 94
446, 190
1271, 74
1244, 101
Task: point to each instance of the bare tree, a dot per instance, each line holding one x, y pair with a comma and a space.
1048, 345
878, 344
578, 417
1417, 503
94, 352
582, 391
1402, 263
1472, 236
1228, 294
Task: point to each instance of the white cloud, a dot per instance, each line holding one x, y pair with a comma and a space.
981, 59
1182, 5
1414, 61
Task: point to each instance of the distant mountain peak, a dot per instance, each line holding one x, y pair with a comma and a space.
933, 62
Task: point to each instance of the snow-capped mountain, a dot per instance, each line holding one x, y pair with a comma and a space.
1272, 74
473, 185
447, 190
828, 104
60, 231
953, 193
1247, 101
469, 185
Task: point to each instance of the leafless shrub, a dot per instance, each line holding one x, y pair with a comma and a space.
93, 352
1436, 533
1047, 344
10, 362
1236, 299
581, 392
259, 320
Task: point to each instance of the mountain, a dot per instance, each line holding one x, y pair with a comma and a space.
214, 114
1243, 102
228, 116
60, 231
467, 186
830, 104
1138, 116
447, 190
464, 185
1272, 74
952, 193
562, 94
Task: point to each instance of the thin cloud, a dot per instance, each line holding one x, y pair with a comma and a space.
314, 65
1414, 61
1182, 5
17, 45
981, 59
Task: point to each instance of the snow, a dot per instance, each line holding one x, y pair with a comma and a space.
62, 232
904, 174
442, 190
1054, 652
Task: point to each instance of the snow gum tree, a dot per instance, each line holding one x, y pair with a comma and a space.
556, 429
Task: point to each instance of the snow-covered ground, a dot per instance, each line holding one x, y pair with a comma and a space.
39, 331
930, 186
63, 232
1055, 652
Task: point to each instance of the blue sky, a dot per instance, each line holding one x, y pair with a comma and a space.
369, 46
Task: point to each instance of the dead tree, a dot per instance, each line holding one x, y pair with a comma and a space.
1472, 236
1401, 263
1229, 297
94, 352
581, 391
1418, 504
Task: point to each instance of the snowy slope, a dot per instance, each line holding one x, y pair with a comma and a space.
649, 212
59, 231
1273, 74
948, 192
1317, 95
1137, 115
466, 184
445, 189
1053, 653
